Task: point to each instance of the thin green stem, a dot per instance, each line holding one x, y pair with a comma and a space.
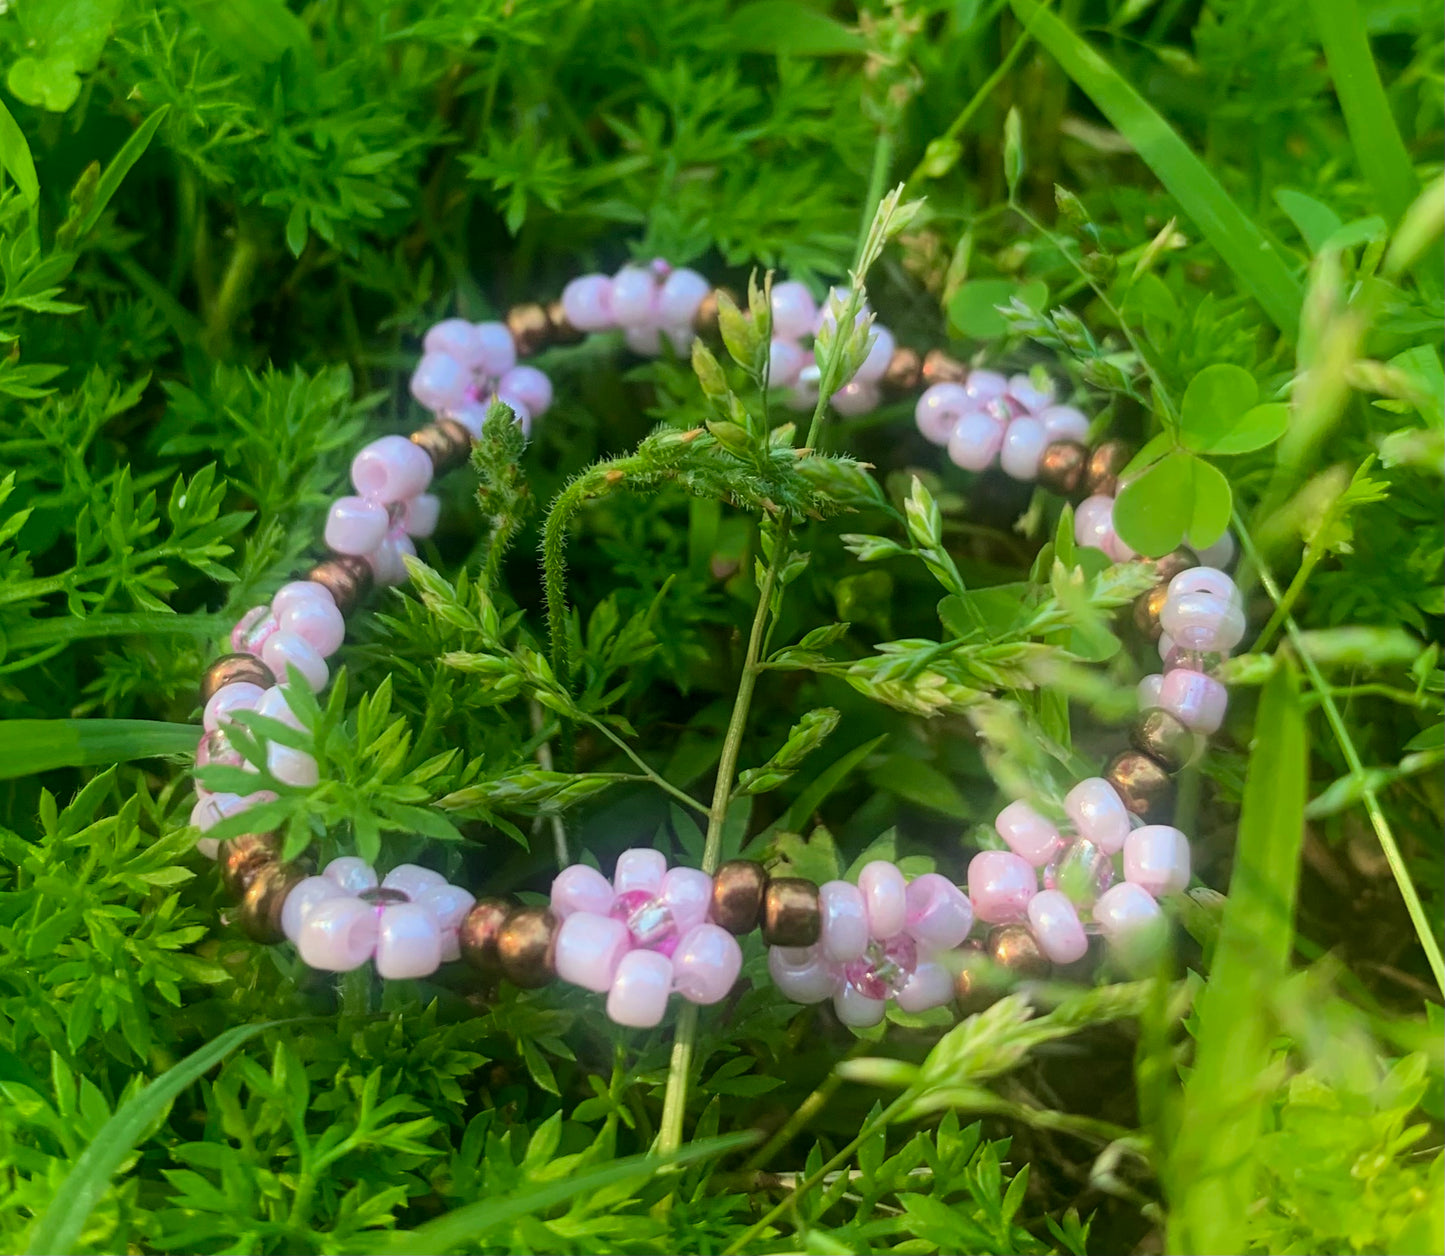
877, 177
544, 761
647, 770
801, 1115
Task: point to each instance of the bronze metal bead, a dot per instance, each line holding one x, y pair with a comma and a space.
477, 934
976, 984
346, 577
530, 328
241, 860
939, 368
1101, 476
231, 669
705, 320
1148, 606
903, 372
791, 916
1143, 785
447, 443
1061, 467
1014, 948
1163, 737
738, 887
561, 331
1174, 562
524, 947
260, 912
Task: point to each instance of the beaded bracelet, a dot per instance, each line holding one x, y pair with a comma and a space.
652, 931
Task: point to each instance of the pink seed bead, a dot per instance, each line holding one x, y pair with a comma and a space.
1065, 423
880, 353
355, 525
845, 921
351, 873
529, 386
318, 622
580, 888
1156, 858
706, 964
1203, 621
215, 748
885, 897
440, 381
448, 905
857, 1010
975, 441
240, 695
497, 351
456, 338
1023, 445
638, 998
338, 935
587, 302
1098, 814
420, 514
644, 340
984, 386
682, 292
588, 949
1028, 834
785, 360
1220, 554
1196, 700
1205, 580
939, 913
291, 649
1027, 394
939, 409
1094, 522
1148, 690
386, 560
794, 311
1127, 913
1116, 549
252, 629
1000, 885
293, 767
472, 415
297, 592
856, 398
412, 879
211, 809
931, 985
303, 898
801, 974
1056, 927
687, 893
391, 469
639, 869
634, 297
408, 942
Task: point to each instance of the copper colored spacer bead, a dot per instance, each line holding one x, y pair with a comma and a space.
738, 887
705, 320
477, 934
260, 911
939, 368
904, 370
791, 916
346, 577
1142, 784
1148, 606
530, 327
1101, 476
561, 330
1061, 468
1174, 562
233, 669
1014, 948
524, 947
241, 860
976, 984
1163, 737
447, 443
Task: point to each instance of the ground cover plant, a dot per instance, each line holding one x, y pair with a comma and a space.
223, 228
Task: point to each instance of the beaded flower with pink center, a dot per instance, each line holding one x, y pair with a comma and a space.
881, 940
641, 936
407, 923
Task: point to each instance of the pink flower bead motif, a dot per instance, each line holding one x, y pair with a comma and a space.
1029, 396
356, 525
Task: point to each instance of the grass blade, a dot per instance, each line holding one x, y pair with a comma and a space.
57, 1230
1241, 244
30, 746
15, 157
1211, 1173
120, 166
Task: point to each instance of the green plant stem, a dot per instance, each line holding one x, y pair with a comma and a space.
877, 177
1369, 796
674, 1102
804, 1113
648, 771
544, 760
232, 291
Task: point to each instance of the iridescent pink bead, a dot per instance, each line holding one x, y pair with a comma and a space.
1065, 423
880, 353
291, 766
803, 395
1204, 580
931, 985
408, 942
1115, 546
1098, 814
587, 302
338, 934
706, 964
687, 892
884, 968
844, 921
303, 897
472, 415
856, 1009
1081, 873
211, 809
648, 919
645, 340
1130, 919
640, 868
794, 311
634, 297
1028, 834
939, 409
420, 515
1148, 690
580, 888
1000, 885
1156, 858
975, 441
785, 361
682, 292
1220, 554
391, 469
588, 949
802, 974
939, 913
252, 630
318, 621
412, 880
240, 695
1094, 522
640, 989
885, 898
1203, 621
440, 382
290, 649
387, 560
1033, 399
497, 351
355, 525
1197, 701
529, 386
1023, 445
856, 398
1056, 927
213, 748
351, 873
982, 386
298, 592
456, 338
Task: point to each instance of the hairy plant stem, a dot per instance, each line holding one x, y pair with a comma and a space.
674, 1103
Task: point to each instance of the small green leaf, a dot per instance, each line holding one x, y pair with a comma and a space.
15, 157
1213, 502
1254, 429
1316, 222
974, 308
1214, 402
1179, 495
1013, 149
787, 28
